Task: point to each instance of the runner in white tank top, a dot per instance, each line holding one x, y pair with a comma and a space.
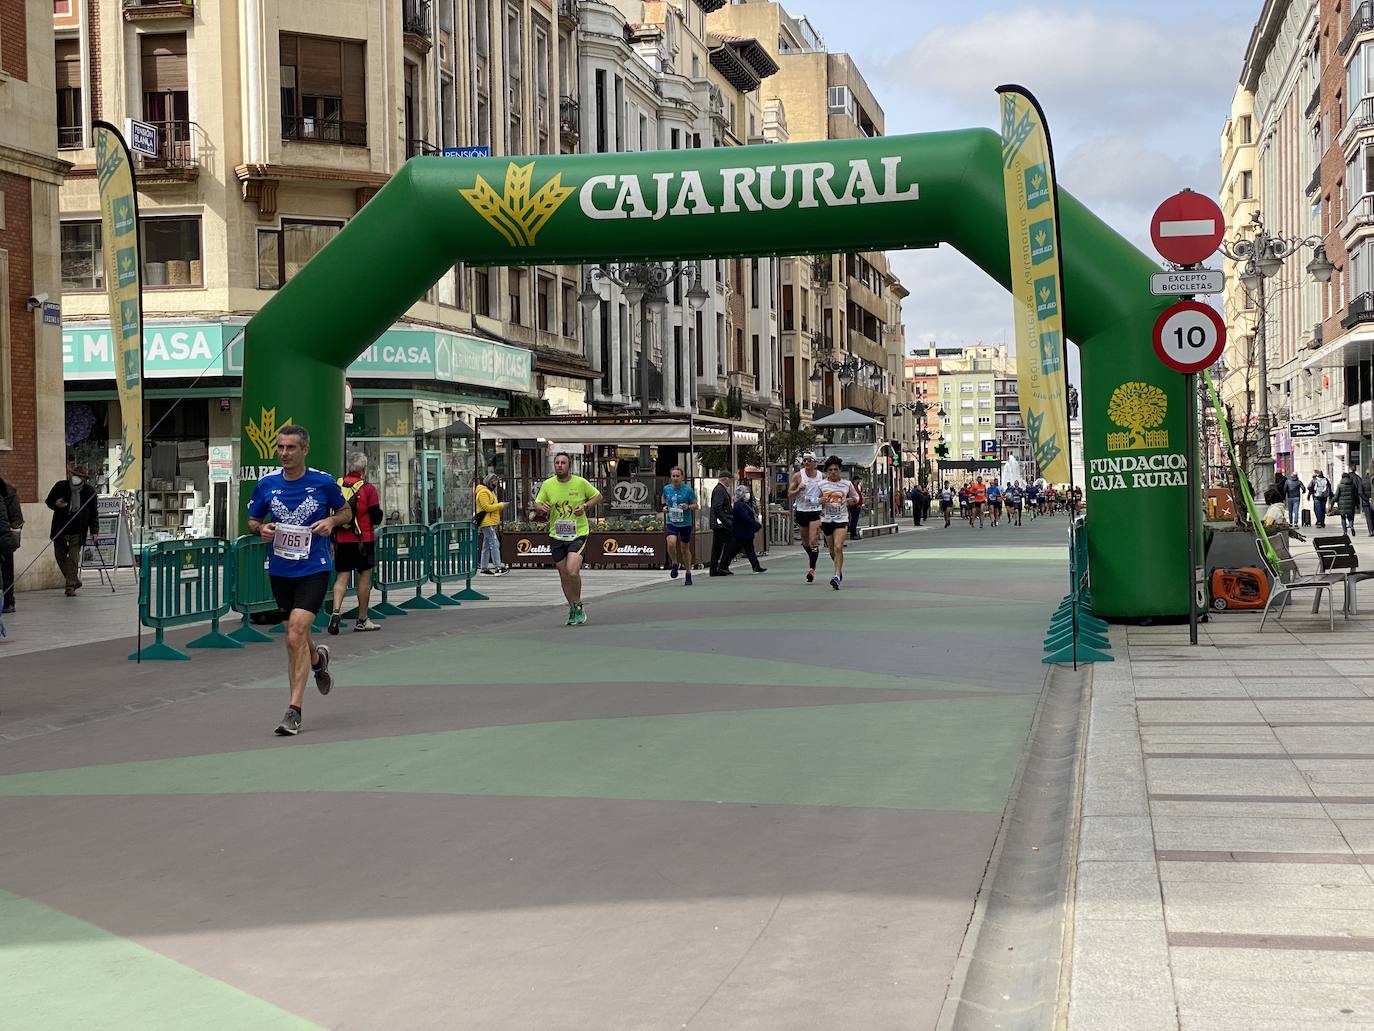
805, 493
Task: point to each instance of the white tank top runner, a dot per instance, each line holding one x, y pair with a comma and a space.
809, 499
835, 501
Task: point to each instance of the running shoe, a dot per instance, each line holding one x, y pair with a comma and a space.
579, 616
672, 572
488, 572
290, 724
572, 615
761, 569
810, 576
688, 582
334, 624
835, 582
364, 625
324, 680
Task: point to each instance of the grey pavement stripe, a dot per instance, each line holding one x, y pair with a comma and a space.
1304, 942
1255, 698
1175, 797
1259, 755
1255, 723
1183, 855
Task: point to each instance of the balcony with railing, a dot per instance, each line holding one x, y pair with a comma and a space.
422, 148
178, 154
1315, 183
415, 28
1361, 120
1361, 20
569, 122
1314, 102
70, 137
1360, 216
149, 10
308, 129
567, 13
1360, 310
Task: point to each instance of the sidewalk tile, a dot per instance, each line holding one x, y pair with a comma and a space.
1118, 890
1225, 777
1120, 977
1263, 875
1199, 712
1115, 838
1317, 834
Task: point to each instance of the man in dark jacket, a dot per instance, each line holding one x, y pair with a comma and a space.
745, 526
722, 521
1363, 485
11, 520
74, 518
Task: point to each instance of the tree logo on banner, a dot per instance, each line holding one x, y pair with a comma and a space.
515, 214
1139, 408
263, 433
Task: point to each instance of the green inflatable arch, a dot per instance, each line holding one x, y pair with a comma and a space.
839, 196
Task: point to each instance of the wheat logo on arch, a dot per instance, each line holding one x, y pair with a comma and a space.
1139, 408
514, 213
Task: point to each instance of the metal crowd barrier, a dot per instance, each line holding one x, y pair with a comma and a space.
403, 560
183, 582
1075, 634
252, 589
453, 550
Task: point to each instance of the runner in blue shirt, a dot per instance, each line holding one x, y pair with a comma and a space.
679, 502
995, 502
1015, 496
1033, 498
295, 511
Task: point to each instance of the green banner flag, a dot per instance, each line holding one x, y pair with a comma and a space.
124, 287
1036, 281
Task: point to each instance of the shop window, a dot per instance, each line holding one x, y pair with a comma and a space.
83, 261
282, 252
323, 90
171, 252
69, 131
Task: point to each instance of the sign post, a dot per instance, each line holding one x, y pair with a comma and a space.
1189, 336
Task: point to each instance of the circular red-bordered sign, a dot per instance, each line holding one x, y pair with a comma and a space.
1189, 336
1187, 228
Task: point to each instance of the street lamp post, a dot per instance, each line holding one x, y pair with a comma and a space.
920, 409
645, 284
1261, 255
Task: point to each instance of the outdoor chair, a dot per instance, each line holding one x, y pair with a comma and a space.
1288, 579
1337, 554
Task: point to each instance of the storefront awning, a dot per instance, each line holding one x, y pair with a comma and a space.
631, 432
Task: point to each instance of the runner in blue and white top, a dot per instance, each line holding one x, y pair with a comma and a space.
295, 511
679, 504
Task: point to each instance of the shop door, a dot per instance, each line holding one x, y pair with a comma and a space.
431, 486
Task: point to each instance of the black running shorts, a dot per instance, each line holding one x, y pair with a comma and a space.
301, 592
354, 556
806, 518
562, 549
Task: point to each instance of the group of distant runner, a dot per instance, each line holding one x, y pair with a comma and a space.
983, 503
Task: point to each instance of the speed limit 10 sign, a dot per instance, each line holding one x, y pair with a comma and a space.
1189, 336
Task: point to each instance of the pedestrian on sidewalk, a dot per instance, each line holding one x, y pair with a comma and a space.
918, 498
1319, 490
11, 522
1293, 490
489, 515
722, 522
744, 526
355, 543
856, 511
1347, 501
296, 511
74, 519
1362, 482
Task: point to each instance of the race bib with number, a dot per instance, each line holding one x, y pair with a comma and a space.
835, 511
565, 529
291, 542
675, 514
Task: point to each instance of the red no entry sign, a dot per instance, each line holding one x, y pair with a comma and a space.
1189, 336
1187, 228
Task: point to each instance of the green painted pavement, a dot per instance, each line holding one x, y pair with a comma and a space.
992, 553
1011, 616
941, 754
561, 659
61, 972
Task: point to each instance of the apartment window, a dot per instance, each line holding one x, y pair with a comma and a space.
985, 420
569, 310
967, 405
1247, 185
601, 134
515, 284
481, 70
515, 89
323, 90
166, 102
481, 291
674, 139
83, 261
755, 355
985, 387
753, 282
171, 251
840, 100
1360, 74
282, 252
69, 134
984, 403
643, 133
966, 388
544, 304
720, 346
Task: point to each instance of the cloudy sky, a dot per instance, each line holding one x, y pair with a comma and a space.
1135, 95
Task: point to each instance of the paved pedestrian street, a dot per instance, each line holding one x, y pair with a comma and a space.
750, 803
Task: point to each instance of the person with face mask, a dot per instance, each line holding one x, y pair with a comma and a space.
744, 525
74, 518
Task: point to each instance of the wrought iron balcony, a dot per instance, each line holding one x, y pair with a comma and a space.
569, 121
1315, 183
1361, 20
415, 18
1360, 216
422, 148
144, 10
1361, 118
70, 137
1315, 102
306, 129
567, 13
178, 153
1360, 310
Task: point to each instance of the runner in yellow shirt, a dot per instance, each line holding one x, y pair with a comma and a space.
564, 500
